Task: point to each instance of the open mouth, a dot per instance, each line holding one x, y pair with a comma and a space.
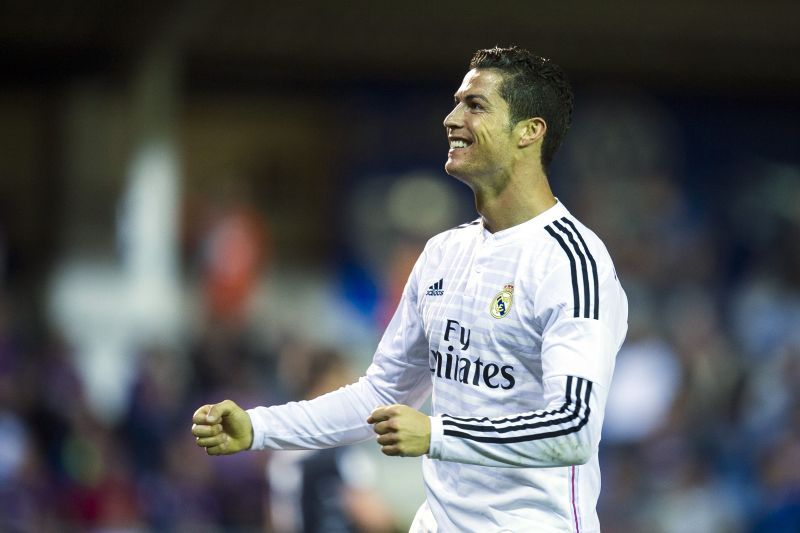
458, 143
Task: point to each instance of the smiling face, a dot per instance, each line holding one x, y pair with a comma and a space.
482, 141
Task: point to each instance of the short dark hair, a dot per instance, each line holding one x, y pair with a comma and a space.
533, 86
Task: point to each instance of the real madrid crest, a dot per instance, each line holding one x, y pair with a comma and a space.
501, 303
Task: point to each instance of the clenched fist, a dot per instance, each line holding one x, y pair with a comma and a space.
223, 428
402, 430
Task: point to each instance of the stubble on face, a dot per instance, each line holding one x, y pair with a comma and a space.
479, 132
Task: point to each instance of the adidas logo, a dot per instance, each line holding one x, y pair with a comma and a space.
437, 289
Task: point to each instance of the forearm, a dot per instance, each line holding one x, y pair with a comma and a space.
332, 419
566, 432
339, 417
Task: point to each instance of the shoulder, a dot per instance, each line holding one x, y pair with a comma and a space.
578, 272
567, 239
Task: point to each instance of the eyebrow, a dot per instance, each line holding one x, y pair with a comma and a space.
472, 97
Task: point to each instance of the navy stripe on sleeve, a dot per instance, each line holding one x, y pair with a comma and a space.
576, 415
586, 298
594, 267
573, 269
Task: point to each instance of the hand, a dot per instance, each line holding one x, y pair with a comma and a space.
401, 430
223, 428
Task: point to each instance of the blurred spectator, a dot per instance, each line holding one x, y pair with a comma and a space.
235, 251
779, 472
322, 491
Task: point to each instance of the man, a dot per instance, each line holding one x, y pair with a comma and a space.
512, 322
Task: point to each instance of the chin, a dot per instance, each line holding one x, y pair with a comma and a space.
458, 174
452, 168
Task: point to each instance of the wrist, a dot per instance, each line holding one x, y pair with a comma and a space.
435, 447
249, 444
256, 430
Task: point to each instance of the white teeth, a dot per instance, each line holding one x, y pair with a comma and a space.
458, 143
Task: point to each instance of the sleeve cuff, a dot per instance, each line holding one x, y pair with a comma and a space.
258, 429
435, 451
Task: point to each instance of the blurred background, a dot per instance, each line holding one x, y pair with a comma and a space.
206, 200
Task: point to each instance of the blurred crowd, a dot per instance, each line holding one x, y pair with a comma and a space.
64, 467
702, 429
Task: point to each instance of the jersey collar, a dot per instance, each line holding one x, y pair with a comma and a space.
524, 229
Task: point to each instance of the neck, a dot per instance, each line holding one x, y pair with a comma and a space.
517, 201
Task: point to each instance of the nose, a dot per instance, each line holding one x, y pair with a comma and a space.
453, 119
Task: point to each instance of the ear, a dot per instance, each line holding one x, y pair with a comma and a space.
533, 130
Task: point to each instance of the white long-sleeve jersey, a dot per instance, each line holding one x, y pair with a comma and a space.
515, 335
